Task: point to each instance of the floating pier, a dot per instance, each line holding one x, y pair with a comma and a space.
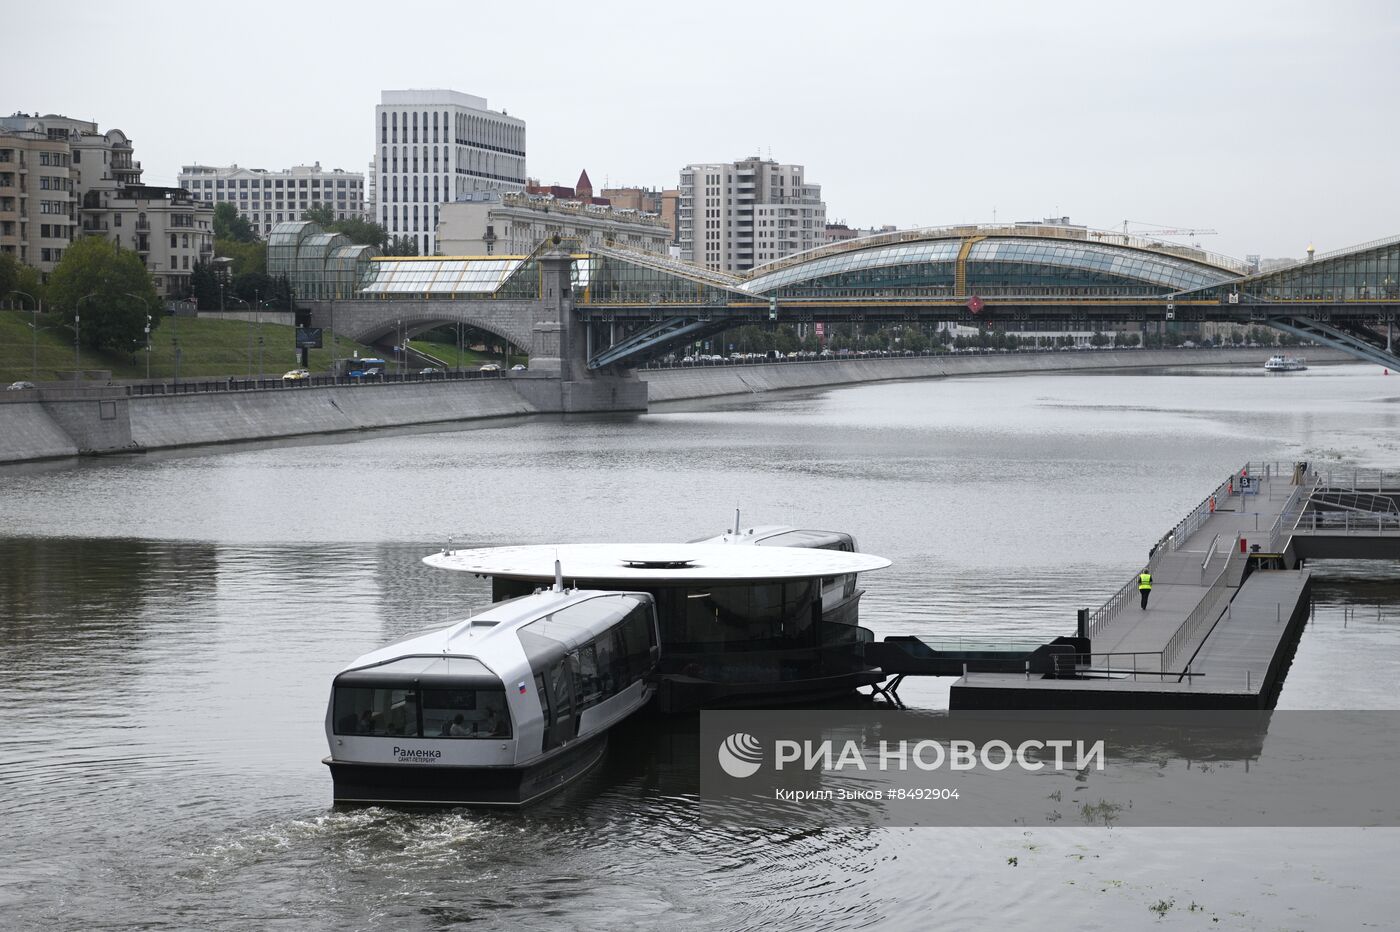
1230, 596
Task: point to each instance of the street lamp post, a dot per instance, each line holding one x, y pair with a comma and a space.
142, 299
175, 341
34, 338
250, 335
77, 332
257, 312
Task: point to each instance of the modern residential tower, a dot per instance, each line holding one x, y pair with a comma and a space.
434, 146
734, 216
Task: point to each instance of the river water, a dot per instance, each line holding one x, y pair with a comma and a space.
169, 625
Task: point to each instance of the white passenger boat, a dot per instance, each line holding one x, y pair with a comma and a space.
1285, 364
500, 709
739, 625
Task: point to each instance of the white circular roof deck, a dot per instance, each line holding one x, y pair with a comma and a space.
656, 563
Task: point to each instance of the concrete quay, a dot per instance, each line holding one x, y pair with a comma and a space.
708, 382
67, 419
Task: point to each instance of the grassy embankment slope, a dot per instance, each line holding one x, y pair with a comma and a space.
471, 359
208, 349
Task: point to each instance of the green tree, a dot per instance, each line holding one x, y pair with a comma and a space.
109, 288
9, 277
1099, 339
229, 224
402, 246
361, 232
247, 257
322, 214
204, 283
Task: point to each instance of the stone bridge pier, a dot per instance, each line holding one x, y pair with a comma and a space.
558, 379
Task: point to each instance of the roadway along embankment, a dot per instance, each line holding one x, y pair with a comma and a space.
707, 381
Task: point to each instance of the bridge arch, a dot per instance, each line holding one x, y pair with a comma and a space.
369, 321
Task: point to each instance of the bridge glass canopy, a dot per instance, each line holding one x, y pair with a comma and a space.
1369, 274
464, 277
930, 263
1009, 266
617, 280
440, 276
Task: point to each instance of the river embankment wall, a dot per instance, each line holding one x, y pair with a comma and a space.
61, 421
707, 382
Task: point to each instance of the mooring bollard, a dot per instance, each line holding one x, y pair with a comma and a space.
1248, 687
1028, 669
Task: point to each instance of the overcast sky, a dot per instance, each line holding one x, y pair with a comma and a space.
1274, 123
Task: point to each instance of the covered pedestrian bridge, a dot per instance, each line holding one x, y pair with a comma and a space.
634, 305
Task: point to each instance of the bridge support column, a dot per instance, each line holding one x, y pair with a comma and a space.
559, 377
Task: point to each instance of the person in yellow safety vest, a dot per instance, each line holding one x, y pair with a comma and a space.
1145, 586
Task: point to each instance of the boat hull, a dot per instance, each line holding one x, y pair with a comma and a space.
679, 694
437, 785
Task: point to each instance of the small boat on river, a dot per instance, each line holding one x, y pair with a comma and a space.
1285, 364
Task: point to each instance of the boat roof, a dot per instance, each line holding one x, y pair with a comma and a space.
655, 564
777, 535
469, 637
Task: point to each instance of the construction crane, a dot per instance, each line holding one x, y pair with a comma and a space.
1157, 231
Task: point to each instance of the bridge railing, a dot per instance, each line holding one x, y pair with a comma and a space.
202, 385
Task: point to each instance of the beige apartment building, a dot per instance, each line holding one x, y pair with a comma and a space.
489, 223
37, 201
92, 186
735, 216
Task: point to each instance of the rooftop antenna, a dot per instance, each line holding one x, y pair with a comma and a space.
736, 521
558, 576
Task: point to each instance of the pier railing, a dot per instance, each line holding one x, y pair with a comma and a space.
1288, 518
1360, 479
1349, 522
1208, 607
1170, 542
1146, 663
1106, 612
1175, 538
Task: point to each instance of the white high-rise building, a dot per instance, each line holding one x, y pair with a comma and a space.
434, 146
265, 198
734, 216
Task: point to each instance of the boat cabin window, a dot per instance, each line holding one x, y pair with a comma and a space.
743, 617
422, 712
565, 650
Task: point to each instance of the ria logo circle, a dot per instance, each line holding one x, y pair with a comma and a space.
740, 755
